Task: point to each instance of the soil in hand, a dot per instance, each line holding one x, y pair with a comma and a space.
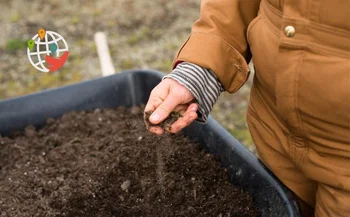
166, 124
105, 163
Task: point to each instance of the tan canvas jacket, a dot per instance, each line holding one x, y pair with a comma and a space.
299, 109
219, 38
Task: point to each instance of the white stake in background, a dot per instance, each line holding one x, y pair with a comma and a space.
104, 56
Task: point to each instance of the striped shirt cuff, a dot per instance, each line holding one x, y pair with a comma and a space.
202, 83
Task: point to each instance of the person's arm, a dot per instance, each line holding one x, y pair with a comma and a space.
218, 43
202, 83
218, 40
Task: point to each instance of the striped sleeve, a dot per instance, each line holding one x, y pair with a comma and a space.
202, 83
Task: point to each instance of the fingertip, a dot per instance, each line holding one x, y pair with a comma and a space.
146, 114
152, 129
190, 116
156, 130
149, 108
193, 107
155, 117
193, 116
178, 126
174, 130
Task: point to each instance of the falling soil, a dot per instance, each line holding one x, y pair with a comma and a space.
105, 163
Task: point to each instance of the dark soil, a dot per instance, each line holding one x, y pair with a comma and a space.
166, 124
105, 163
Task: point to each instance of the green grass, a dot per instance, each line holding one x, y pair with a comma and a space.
15, 44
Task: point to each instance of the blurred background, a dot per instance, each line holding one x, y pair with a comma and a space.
141, 34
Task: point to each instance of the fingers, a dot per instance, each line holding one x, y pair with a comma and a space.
181, 109
161, 101
188, 117
166, 97
157, 96
164, 109
156, 130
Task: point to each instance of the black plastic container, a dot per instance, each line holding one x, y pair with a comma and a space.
133, 88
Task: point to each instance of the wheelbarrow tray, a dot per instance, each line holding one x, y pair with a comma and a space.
132, 88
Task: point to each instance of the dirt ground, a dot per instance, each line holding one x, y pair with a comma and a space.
105, 163
141, 34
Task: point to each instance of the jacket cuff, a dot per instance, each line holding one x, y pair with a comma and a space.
211, 52
202, 83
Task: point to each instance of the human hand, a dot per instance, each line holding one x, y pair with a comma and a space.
169, 95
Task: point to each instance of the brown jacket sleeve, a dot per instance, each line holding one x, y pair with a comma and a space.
218, 40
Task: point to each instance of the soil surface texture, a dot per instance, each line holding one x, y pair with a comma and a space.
105, 163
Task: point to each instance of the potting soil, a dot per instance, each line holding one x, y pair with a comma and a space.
105, 163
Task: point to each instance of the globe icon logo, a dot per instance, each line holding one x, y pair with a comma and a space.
47, 51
